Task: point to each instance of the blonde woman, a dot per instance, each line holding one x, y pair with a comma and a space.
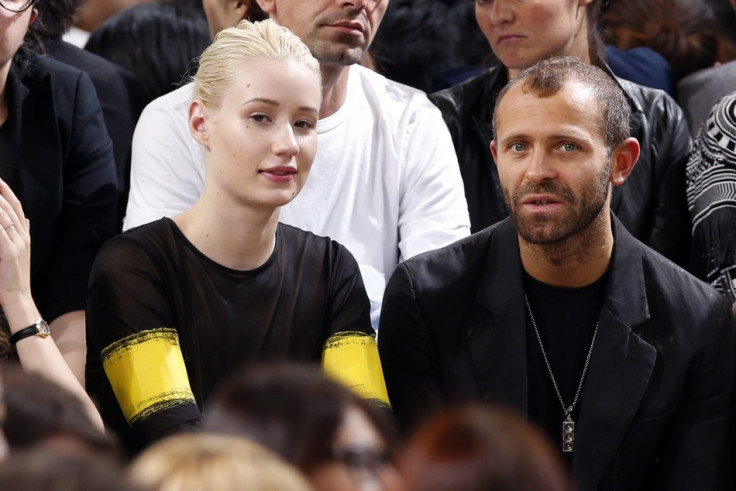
176, 305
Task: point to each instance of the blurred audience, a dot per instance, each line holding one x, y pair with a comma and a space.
682, 31
338, 440
120, 94
711, 174
481, 448
195, 462
157, 42
92, 14
699, 91
41, 413
54, 470
416, 43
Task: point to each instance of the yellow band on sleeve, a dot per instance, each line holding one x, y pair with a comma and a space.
352, 358
147, 373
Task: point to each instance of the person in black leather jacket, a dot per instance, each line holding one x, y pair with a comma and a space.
652, 203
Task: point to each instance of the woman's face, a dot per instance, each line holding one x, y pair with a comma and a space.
261, 141
360, 459
522, 32
13, 27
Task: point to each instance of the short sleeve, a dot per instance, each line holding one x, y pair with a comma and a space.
135, 365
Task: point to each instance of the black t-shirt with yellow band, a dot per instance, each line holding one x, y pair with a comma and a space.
166, 325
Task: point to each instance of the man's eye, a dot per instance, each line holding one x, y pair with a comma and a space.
568, 147
518, 147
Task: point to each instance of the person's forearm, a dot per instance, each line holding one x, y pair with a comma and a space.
42, 355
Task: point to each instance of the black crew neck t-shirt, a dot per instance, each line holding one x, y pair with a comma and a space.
566, 320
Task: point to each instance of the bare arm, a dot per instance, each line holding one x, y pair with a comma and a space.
36, 354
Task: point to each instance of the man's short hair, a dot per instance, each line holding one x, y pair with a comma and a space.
547, 77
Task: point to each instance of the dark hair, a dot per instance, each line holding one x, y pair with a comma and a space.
684, 32
293, 409
157, 42
547, 77
596, 51
415, 42
38, 411
55, 17
47, 470
477, 448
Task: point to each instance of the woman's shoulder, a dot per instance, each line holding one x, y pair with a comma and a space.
297, 241
151, 241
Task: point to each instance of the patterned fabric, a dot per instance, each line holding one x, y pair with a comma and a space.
711, 195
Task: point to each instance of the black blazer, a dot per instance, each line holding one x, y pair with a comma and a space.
122, 100
653, 411
64, 175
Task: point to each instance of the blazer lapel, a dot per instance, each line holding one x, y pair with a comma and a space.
620, 368
497, 330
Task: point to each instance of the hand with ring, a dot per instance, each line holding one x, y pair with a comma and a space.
15, 254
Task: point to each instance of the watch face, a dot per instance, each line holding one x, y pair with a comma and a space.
42, 328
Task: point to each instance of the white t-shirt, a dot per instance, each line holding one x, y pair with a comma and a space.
385, 181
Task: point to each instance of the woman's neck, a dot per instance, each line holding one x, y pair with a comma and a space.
230, 234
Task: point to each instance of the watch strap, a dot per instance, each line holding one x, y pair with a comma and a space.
32, 330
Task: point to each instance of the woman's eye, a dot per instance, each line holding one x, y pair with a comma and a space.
304, 124
259, 118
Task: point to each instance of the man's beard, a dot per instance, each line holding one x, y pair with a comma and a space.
581, 210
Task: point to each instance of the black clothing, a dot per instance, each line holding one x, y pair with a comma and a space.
565, 319
64, 176
654, 408
151, 286
122, 101
651, 203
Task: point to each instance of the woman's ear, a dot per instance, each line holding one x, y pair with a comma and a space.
34, 16
198, 122
268, 6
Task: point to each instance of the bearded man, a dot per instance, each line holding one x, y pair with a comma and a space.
625, 359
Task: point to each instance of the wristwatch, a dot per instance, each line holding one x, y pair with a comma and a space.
39, 328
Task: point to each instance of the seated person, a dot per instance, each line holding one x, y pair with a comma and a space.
711, 177
177, 304
337, 439
625, 360
385, 183
651, 204
30, 337
56, 156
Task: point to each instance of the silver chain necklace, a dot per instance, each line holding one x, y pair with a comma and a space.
568, 425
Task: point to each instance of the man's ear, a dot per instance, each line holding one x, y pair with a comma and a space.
623, 160
494, 150
198, 122
268, 6
34, 16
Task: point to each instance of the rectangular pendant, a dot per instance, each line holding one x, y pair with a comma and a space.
568, 435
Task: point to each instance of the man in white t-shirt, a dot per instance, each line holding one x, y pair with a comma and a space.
385, 181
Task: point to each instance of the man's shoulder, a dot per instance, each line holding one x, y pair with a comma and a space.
177, 101
387, 96
459, 259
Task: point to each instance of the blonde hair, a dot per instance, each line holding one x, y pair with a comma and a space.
196, 461
235, 46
